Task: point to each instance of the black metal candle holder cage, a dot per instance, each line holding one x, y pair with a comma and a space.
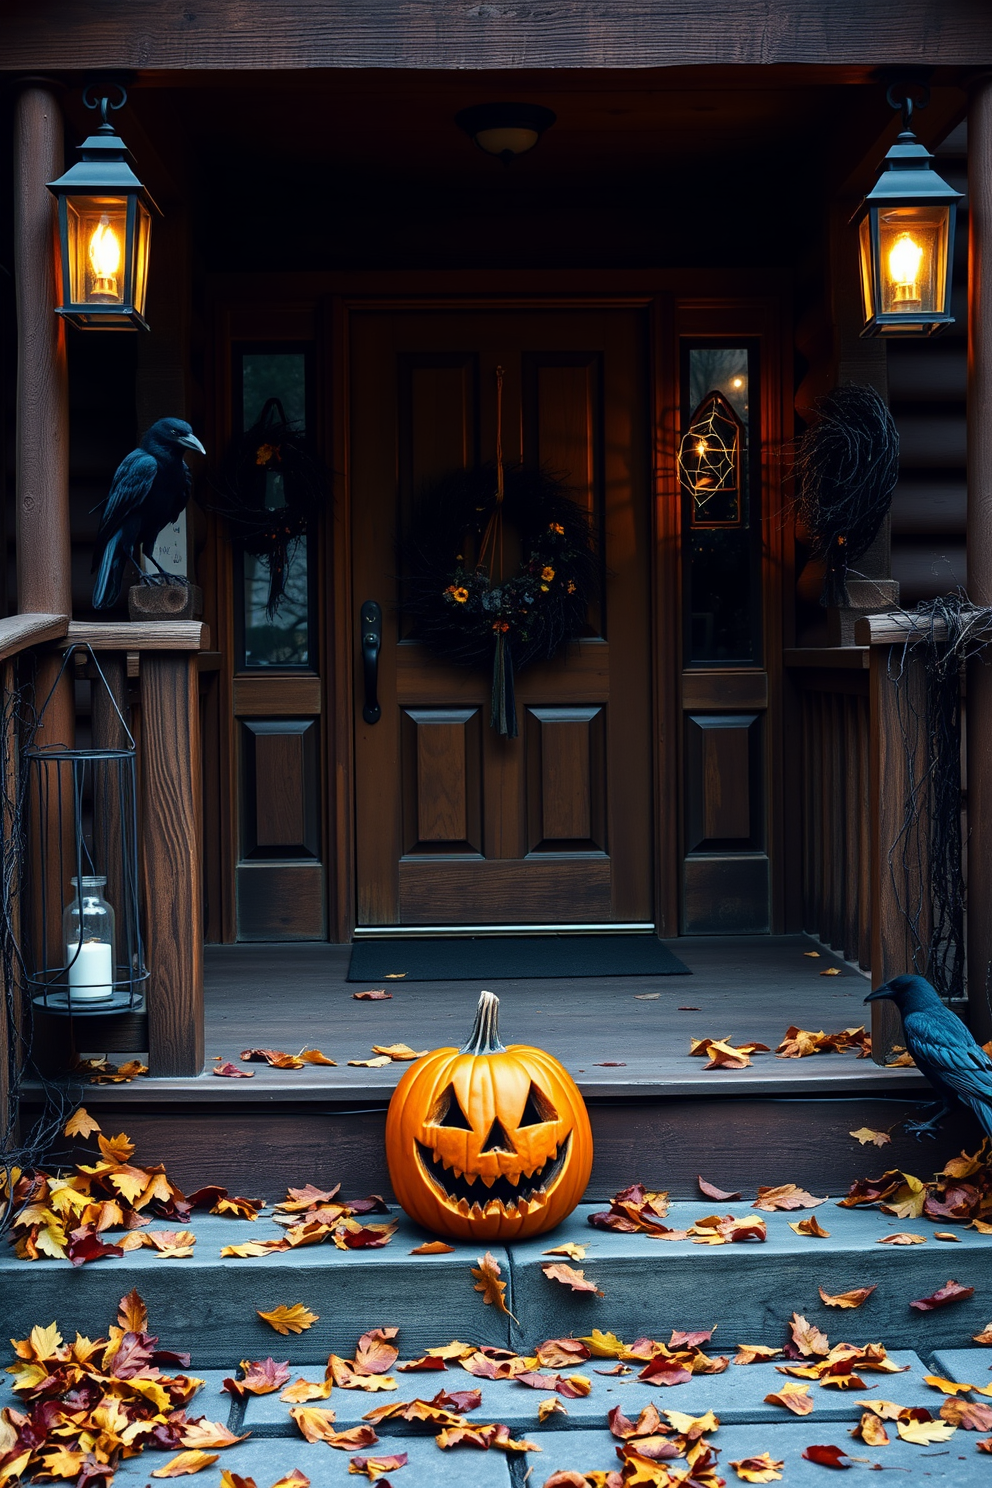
81, 820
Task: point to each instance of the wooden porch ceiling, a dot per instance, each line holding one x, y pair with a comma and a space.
339, 168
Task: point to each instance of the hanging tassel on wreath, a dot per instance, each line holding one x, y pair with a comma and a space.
272, 447
467, 609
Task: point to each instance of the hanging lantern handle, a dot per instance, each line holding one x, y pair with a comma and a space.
71, 651
899, 95
96, 95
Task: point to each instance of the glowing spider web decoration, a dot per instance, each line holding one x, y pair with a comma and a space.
710, 463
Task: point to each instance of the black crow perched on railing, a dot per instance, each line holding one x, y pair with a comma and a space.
150, 488
952, 1060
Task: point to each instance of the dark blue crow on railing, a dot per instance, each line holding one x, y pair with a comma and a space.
953, 1062
150, 488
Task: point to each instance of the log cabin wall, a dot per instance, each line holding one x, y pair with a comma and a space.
927, 386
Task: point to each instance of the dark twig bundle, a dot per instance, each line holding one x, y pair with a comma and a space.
469, 613
265, 514
847, 465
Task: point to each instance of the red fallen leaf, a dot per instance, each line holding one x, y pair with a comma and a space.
612, 1064
949, 1292
826, 1456
425, 1364
85, 1245
206, 1197
712, 1192
232, 1072
967, 1413
376, 995
690, 1340
458, 1400
375, 1354
298, 1200
374, 1204
261, 1377
662, 1371
647, 1449
648, 1423
363, 1237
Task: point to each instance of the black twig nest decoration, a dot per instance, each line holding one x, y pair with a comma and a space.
273, 446
459, 605
847, 465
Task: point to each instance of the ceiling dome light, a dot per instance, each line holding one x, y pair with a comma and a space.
505, 130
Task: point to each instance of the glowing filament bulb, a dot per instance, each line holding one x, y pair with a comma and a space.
905, 258
738, 382
105, 260
702, 448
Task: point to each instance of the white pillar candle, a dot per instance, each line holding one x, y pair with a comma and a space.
91, 973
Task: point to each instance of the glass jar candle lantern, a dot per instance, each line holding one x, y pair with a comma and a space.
88, 934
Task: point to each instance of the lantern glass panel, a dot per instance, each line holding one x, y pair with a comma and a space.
867, 269
912, 260
97, 245
143, 236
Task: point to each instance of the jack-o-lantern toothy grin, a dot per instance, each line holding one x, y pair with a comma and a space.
475, 1192
488, 1142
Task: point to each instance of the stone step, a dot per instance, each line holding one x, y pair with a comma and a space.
207, 1304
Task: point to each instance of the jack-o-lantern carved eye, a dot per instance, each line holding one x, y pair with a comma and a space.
537, 1108
447, 1112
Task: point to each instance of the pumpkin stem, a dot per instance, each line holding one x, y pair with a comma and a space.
485, 1034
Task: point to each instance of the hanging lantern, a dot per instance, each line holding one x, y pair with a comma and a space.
906, 229
710, 463
105, 228
86, 954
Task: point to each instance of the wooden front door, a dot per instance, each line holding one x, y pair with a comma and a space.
456, 826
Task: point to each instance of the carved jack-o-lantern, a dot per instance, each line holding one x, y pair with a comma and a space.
487, 1142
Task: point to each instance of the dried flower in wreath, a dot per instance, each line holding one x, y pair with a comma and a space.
465, 608
273, 446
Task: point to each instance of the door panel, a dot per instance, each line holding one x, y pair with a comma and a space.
454, 824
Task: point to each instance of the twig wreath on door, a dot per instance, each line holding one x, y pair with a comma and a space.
464, 605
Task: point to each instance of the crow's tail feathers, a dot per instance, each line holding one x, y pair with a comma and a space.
982, 1108
110, 574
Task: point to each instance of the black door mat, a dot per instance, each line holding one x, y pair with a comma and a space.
498, 957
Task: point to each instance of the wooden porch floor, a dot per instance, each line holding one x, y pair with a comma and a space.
657, 1114
618, 1036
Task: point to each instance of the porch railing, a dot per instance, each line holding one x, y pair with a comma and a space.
866, 880
165, 656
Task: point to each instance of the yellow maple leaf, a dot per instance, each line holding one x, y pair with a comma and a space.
81, 1124
867, 1134
184, 1464
294, 1319
925, 1433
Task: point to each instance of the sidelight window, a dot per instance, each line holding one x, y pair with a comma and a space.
719, 478
280, 636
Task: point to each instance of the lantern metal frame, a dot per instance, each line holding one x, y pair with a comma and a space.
82, 807
907, 181
104, 172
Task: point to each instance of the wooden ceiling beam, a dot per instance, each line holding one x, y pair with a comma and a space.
238, 34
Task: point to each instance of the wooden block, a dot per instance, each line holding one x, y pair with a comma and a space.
165, 602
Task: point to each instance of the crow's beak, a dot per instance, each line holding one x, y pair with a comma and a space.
880, 993
191, 442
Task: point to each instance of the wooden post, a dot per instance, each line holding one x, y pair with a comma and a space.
897, 685
172, 857
980, 553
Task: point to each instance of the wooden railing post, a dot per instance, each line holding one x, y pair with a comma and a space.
899, 884
980, 553
172, 851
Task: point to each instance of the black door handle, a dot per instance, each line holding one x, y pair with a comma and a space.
371, 645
